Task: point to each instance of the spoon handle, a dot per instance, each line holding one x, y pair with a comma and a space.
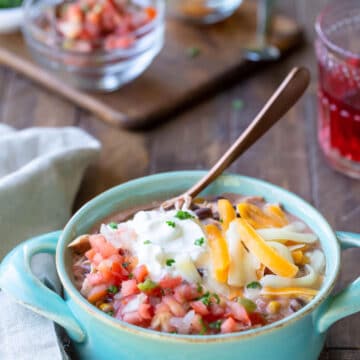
286, 95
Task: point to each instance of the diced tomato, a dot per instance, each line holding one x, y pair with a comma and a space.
168, 282
217, 310
129, 287
162, 307
97, 259
239, 313
257, 318
185, 292
102, 246
140, 273
133, 318
97, 293
145, 311
228, 326
174, 306
199, 307
95, 278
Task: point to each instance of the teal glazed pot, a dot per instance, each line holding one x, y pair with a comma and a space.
97, 336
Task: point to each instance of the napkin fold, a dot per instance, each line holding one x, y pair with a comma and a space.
40, 173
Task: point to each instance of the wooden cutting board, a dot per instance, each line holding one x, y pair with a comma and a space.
175, 80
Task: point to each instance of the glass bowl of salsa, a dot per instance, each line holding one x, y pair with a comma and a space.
94, 45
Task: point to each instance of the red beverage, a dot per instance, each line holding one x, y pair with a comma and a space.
338, 55
339, 116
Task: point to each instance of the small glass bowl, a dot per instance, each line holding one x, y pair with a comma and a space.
203, 11
99, 70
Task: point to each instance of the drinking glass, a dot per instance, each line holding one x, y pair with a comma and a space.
338, 55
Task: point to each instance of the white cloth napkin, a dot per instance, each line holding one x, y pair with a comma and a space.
40, 173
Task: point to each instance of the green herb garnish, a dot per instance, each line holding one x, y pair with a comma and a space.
147, 285
199, 288
171, 223
249, 305
113, 289
147, 242
131, 275
254, 285
183, 215
111, 313
199, 242
205, 299
193, 52
113, 225
170, 262
216, 325
238, 104
203, 327
217, 298
125, 264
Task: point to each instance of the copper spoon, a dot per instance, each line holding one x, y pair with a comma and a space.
286, 95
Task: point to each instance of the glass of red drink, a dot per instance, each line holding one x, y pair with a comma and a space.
338, 54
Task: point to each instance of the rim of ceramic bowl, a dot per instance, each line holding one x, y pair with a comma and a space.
34, 32
68, 234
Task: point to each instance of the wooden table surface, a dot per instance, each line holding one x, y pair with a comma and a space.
288, 155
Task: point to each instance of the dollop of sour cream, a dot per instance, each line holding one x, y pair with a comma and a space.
168, 244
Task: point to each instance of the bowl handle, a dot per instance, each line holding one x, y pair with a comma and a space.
17, 280
347, 301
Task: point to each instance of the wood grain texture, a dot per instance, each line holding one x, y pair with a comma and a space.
220, 62
288, 155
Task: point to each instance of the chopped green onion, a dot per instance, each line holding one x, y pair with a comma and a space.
216, 325
147, 242
131, 275
249, 305
147, 285
254, 285
111, 313
170, 262
183, 215
205, 299
199, 242
113, 225
171, 223
203, 327
199, 288
125, 264
216, 296
113, 289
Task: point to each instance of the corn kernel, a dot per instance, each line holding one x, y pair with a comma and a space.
298, 257
106, 307
273, 307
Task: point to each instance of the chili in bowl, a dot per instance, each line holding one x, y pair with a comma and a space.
188, 303
214, 266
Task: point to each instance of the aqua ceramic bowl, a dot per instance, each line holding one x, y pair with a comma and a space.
96, 336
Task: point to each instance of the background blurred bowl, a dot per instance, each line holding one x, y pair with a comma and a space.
203, 11
98, 70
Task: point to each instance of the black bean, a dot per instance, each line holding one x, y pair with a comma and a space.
203, 213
